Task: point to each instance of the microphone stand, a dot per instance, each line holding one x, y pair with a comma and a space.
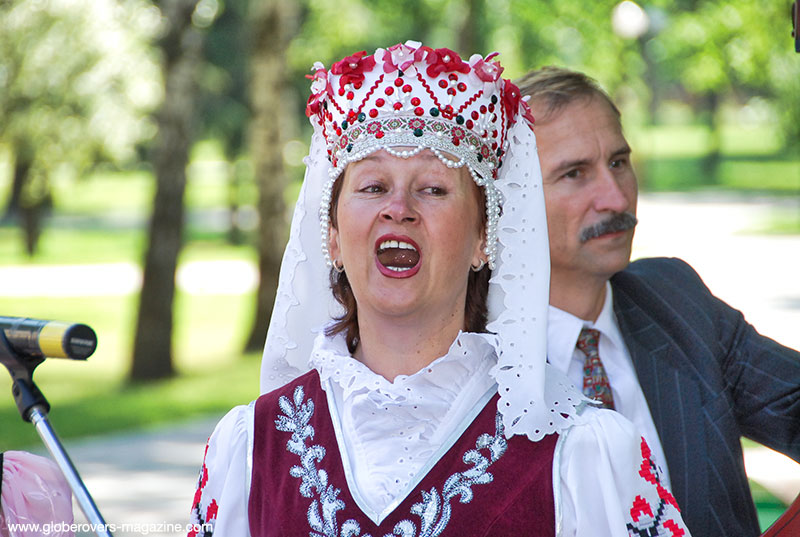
33, 408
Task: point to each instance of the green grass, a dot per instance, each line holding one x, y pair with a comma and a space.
93, 397
671, 158
769, 508
105, 405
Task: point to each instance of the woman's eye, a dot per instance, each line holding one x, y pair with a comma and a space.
372, 189
435, 190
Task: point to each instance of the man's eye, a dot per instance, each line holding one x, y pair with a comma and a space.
618, 163
573, 174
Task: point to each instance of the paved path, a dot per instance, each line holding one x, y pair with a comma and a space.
142, 481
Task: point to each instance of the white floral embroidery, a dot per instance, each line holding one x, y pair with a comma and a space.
434, 510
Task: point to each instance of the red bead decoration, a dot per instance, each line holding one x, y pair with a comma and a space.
483, 109
469, 124
452, 76
475, 115
379, 134
398, 106
373, 113
407, 88
379, 102
415, 101
419, 111
456, 141
491, 107
350, 95
357, 85
389, 90
398, 82
451, 91
462, 87
341, 92
443, 84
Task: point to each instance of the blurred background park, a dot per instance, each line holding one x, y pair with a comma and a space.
151, 151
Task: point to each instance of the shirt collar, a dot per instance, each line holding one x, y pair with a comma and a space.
564, 328
471, 355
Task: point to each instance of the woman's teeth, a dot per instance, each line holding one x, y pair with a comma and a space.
397, 256
396, 244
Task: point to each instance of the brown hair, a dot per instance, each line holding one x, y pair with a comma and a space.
475, 310
556, 87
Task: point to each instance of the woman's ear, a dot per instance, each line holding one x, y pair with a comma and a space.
333, 243
479, 255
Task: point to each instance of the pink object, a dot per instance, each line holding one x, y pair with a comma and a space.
35, 499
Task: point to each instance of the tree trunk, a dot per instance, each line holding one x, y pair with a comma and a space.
181, 46
22, 168
470, 38
710, 163
274, 24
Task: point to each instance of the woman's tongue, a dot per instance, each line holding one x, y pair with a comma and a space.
398, 258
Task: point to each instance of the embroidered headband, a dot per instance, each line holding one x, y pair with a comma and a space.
421, 98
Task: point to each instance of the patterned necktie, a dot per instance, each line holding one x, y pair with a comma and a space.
595, 379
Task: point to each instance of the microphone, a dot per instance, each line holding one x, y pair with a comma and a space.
48, 339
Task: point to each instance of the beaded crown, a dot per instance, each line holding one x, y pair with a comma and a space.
413, 96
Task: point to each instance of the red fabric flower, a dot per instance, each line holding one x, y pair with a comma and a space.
399, 57
319, 89
640, 507
444, 60
352, 68
512, 100
486, 70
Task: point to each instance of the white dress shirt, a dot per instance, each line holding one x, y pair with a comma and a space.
563, 330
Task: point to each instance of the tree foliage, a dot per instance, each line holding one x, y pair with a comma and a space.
77, 80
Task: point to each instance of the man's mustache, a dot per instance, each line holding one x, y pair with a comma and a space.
616, 222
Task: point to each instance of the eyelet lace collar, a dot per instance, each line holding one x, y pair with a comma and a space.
470, 354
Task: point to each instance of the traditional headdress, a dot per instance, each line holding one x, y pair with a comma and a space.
418, 98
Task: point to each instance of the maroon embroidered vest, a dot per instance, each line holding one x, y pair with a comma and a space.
484, 486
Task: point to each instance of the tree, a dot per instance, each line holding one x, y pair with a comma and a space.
181, 47
275, 23
68, 95
224, 107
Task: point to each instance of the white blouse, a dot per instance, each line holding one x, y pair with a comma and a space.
392, 433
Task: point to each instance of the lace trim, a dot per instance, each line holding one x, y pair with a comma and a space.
535, 400
332, 361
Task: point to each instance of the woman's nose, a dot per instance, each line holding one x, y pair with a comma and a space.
399, 207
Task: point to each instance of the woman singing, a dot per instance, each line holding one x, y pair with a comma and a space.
406, 385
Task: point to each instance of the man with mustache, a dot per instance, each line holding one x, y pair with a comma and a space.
647, 338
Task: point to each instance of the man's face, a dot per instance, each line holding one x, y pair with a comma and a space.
590, 190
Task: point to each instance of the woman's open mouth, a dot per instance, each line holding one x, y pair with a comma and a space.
397, 257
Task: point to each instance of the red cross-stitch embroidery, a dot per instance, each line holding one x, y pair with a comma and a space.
647, 521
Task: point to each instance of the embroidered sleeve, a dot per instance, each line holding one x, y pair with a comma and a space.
219, 507
610, 485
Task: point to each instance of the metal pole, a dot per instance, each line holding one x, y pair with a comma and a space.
85, 501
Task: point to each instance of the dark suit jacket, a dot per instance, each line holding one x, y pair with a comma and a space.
709, 378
